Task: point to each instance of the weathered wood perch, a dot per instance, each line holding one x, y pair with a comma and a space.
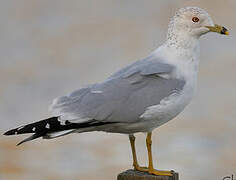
137, 175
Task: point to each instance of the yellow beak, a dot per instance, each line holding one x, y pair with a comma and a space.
219, 29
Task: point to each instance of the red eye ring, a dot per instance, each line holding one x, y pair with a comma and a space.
195, 19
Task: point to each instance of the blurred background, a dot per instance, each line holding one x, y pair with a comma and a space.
51, 47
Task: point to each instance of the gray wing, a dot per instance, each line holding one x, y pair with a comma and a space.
147, 66
121, 98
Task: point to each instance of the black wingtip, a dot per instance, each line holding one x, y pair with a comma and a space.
20, 143
10, 132
34, 136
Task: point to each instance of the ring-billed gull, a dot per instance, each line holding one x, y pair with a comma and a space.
139, 97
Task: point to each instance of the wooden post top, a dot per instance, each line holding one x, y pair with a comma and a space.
137, 175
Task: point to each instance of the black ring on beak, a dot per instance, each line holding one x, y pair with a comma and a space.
223, 31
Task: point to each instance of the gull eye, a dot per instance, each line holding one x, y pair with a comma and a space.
195, 19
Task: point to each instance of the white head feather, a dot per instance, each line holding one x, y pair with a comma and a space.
183, 31
183, 22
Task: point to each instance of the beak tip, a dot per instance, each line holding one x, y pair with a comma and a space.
227, 33
224, 31
218, 29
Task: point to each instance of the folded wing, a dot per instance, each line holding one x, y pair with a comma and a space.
121, 98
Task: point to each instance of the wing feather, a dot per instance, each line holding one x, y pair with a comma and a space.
121, 98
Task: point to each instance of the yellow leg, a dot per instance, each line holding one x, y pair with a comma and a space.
135, 161
151, 170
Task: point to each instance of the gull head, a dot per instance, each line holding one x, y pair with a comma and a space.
193, 22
